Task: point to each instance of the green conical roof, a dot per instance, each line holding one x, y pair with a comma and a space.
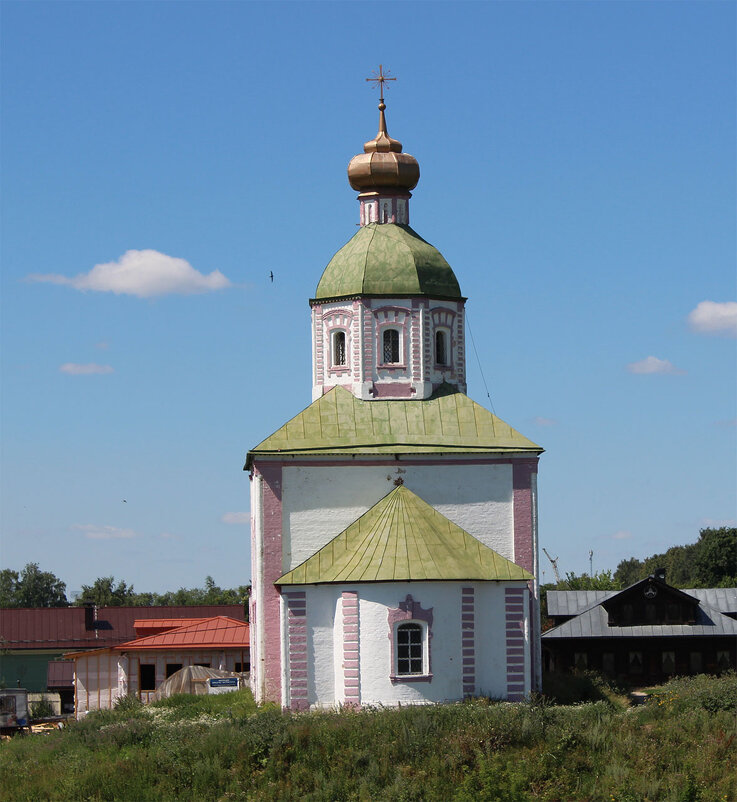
387, 259
403, 538
447, 422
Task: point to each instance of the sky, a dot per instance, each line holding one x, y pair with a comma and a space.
161, 159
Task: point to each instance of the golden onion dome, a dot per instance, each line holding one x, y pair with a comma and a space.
382, 166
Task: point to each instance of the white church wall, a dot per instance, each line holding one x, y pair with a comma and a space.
491, 646
324, 659
320, 501
326, 672
445, 644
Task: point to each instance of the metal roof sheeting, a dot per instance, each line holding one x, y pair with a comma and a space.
64, 627
403, 538
447, 422
573, 602
594, 623
387, 259
210, 633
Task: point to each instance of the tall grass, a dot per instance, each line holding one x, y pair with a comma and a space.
679, 747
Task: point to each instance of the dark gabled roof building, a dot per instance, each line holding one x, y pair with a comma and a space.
644, 633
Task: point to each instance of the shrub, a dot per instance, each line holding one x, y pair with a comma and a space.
42, 708
128, 704
587, 686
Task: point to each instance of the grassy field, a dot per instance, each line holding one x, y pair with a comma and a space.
680, 746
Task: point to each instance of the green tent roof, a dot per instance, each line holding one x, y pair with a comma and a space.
387, 259
403, 538
447, 422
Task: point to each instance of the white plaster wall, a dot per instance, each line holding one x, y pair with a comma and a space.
320, 501
375, 645
491, 646
322, 660
325, 642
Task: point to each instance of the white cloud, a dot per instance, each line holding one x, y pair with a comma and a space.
711, 317
622, 534
144, 274
168, 536
95, 532
75, 369
236, 518
652, 364
716, 523
544, 421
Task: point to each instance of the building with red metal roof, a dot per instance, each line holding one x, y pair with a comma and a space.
34, 640
139, 666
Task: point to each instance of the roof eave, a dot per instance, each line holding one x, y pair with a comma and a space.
282, 583
357, 295
391, 448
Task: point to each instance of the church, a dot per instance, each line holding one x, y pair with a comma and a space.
394, 543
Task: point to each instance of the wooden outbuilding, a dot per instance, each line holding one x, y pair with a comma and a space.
643, 634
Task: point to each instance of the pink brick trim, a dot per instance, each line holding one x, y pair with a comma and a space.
351, 674
409, 610
297, 616
270, 663
522, 470
515, 622
468, 609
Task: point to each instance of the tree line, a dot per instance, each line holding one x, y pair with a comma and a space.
710, 562
33, 587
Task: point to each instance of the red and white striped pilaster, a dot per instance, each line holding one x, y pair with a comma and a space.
297, 626
515, 617
351, 680
468, 640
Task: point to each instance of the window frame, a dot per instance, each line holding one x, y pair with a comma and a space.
334, 364
410, 612
445, 334
410, 625
400, 349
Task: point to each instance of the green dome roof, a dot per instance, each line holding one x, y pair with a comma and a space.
387, 259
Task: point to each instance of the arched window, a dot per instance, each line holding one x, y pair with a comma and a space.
410, 649
441, 348
339, 348
391, 346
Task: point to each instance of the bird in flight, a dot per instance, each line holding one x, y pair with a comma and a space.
271, 276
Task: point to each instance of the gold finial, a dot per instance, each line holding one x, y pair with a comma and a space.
380, 78
383, 141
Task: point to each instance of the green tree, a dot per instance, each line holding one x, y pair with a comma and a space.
31, 588
628, 572
105, 593
601, 580
715, 559
8, 588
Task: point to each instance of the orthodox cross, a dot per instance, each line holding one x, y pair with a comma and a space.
380, 79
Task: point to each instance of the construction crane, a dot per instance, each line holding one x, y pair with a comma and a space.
554, 563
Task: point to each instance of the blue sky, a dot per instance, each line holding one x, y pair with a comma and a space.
578, 172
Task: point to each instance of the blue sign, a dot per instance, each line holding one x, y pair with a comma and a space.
224, 682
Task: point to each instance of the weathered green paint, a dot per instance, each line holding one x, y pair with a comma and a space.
387, 259
447, 422
403, 538
29, 669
